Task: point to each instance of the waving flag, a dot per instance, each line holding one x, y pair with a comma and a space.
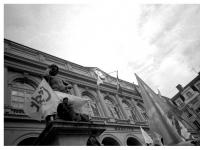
184, 132
43, 102
158, 121
119, 88
99, 76
147, 138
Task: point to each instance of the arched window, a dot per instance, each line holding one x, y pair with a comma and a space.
129, 110
113, 109
21, 89
142, 111
91, 107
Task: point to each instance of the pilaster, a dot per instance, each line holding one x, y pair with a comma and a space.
103, 105
121, 107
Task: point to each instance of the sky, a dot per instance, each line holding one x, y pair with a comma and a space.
159, 42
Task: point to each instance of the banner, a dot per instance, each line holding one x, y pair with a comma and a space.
77, 102
42, 102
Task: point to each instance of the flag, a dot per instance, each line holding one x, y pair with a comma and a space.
146, 137
42, 102
158, 121
77, 102
119, 88
99, 81
99, 76
184, 132
157, 139
174, 115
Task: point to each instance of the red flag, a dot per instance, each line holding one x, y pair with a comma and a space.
158, 121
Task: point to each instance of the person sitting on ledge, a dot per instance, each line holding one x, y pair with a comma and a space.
64, 110
56, 83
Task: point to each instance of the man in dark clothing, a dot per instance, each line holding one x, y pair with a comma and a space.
66, 111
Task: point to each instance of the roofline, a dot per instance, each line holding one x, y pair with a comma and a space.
189, 84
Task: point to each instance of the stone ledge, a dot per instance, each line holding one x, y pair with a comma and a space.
60, 132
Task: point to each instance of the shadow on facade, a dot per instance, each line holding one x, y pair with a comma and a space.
108, 141
27, 142
133, 142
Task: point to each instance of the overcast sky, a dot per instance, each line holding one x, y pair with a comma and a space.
161, 43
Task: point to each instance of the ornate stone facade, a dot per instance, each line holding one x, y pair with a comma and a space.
122, 114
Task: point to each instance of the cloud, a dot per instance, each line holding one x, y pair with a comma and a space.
158, 42
173, 31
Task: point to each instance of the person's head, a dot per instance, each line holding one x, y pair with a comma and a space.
65, 100
53, 70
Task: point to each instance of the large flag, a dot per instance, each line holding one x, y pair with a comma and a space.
158, 121
174, 115
147, 138
119, 88
44, 102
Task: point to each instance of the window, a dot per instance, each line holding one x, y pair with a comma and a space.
188, 114
113, 109
198, 110
129, 110
91, 107
142, 111
20, 91
179, 102
196, 123
198, 85
189, 94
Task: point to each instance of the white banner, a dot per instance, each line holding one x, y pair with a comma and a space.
44, 102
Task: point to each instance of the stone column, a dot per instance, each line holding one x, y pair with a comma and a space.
103, 105
121, 107
76, 90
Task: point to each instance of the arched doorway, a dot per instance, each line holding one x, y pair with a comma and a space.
133, 142
27, 142
108, 141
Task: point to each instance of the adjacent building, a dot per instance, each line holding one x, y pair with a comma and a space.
188, 101
121, 113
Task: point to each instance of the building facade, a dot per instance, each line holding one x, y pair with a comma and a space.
121, 113
187, 100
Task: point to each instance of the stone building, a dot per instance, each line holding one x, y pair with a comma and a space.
188, 101
121, 113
